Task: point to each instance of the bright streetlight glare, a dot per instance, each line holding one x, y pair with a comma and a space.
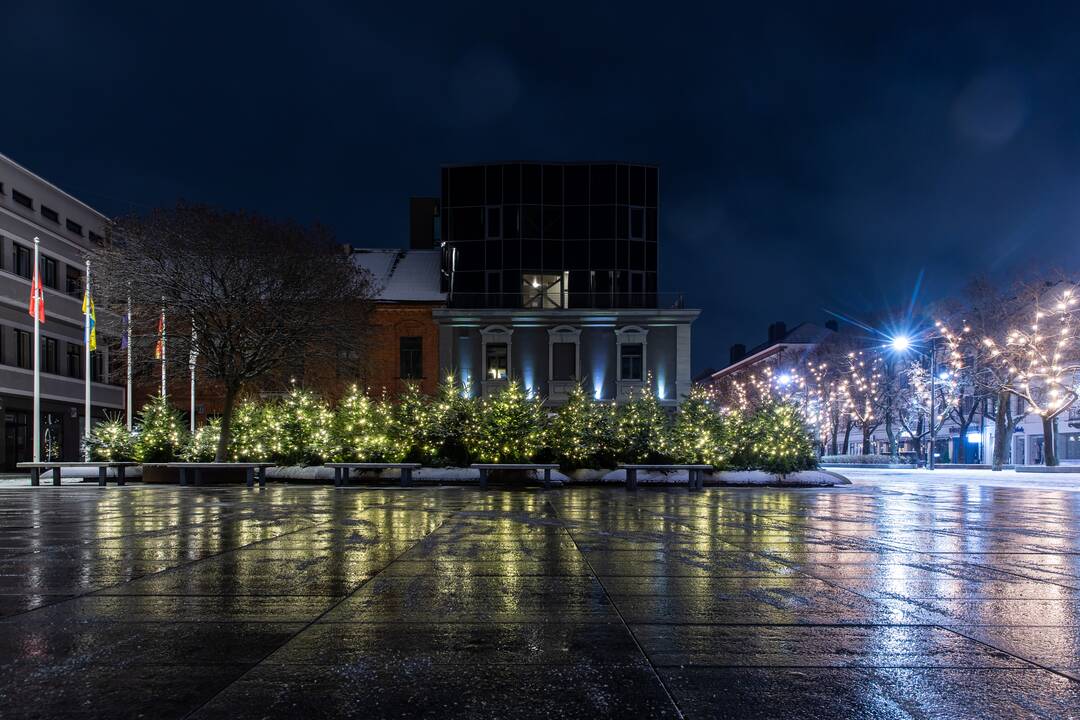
900, 343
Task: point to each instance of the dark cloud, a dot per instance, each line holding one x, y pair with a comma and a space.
812, 156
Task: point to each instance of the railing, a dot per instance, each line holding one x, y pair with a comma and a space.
572, 300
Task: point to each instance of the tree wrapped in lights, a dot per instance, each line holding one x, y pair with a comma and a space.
581, 432
162, 436
1041, 359
251, 436
509, 427
914, 406
697, 433
110, 441
643, 428
780, 441
301, 429
204, 442
364, 429
448, 415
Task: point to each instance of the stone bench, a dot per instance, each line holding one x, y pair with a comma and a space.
694, 471
192, 471
36, 468
486, 468
342, 470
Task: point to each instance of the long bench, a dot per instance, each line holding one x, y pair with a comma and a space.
486, 468
343, 469
694, 471
192, 471
36, 468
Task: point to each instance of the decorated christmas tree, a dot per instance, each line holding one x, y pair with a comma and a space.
301, 429
364, 429
110, 441
162, 436
781, 443
581, 431
697, 431
643, 427
509, 427
204, 443
251, 432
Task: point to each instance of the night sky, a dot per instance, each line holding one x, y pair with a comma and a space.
810, 158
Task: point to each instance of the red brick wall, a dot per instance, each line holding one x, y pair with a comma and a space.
391, 322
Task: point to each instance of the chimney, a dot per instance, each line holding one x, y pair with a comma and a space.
831, 325
423, 223
777, 331
738, 352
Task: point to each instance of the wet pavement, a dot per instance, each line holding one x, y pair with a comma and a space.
880, 600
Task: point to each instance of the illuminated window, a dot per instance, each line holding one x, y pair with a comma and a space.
497, 361
544, 291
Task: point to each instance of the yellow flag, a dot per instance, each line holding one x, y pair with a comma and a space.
91, 336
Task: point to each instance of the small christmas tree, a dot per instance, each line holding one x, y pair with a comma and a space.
581, 431
644, 433
509, 427
781, 443
162, 436
110, 441
696, 434
364, 429
251, 432
204, 442
302, 429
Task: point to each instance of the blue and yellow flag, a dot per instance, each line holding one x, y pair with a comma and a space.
91, 335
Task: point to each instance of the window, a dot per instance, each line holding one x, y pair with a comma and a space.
496, 361
1069, 446
96, 239
543, 291
630, 361
22, 349
412, 358
49, 214
95, 367
74, 282
48, 272
50, 362
22, 262
493, 228
637, 223
564, 361
23, 200
74, 360
74, 227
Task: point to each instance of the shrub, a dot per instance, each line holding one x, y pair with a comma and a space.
780, 441
301, 429
643, 432
203, 444
509, 427
364, 430
110, 441
162, 436
580, 432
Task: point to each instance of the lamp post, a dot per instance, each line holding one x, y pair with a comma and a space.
901, 344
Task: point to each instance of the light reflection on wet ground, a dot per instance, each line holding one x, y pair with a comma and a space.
882, 601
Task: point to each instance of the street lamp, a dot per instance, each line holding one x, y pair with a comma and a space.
901, 344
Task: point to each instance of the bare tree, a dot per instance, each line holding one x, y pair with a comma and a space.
1039, 356
258, 293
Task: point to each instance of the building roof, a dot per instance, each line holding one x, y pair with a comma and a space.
403, 275
804, 335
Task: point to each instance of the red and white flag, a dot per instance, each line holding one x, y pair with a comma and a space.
37, 298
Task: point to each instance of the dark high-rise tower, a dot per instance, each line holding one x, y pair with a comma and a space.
550, 235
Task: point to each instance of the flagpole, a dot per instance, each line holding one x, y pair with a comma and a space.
163, 390
191, 362
129, 398
37, 357
86, 339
